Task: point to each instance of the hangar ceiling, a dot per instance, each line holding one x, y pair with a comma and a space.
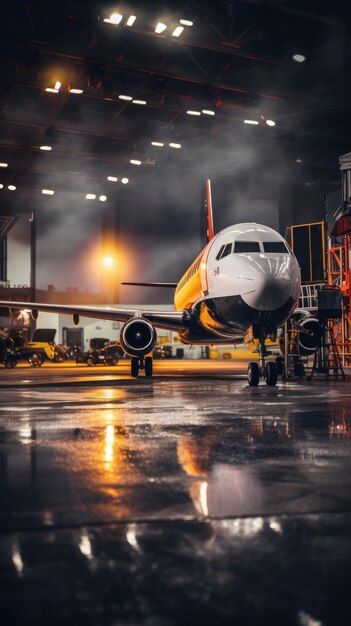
235, 61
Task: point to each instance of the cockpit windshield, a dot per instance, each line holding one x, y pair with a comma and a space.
275, 246
246, 246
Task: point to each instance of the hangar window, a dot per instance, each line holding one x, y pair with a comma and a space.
275, 246
226, 250
247, 246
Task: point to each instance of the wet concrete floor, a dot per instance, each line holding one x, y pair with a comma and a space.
175, 501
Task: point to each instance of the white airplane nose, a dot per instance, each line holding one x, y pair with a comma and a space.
265, 284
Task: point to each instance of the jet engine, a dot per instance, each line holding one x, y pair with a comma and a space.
309, 335
138, 337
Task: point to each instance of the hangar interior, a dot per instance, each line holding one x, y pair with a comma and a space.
190, 496
110, 127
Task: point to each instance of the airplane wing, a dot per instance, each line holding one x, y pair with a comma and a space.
169, 320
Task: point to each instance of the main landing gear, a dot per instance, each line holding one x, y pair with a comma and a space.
138, 363
268, 371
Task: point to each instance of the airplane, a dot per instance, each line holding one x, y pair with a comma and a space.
242, 286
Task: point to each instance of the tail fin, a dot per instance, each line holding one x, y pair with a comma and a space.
210, 229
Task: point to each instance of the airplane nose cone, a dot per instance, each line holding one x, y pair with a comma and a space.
265, 284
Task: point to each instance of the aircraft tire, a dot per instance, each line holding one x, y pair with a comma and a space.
134, 367
148, 366
271, 373
299, 369
253, 374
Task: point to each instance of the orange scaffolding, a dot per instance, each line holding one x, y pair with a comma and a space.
339, 275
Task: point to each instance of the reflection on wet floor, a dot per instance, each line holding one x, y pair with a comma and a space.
207, 496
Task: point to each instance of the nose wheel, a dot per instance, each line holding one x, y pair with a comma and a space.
267, 371
141, 363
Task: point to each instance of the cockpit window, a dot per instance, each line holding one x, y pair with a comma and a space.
275, 246
226, 250
220, 253
247, 246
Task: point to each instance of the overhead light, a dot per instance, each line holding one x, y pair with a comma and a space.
270, 122
78, 91
90, 196
193, 112
57, 85
125, 180
160, 27
46, 148
47, 192
108, 261
112, 179
123, 97
131, 19
186, 22
135, 162
178, 31
1, 186
208, 112
157, 143
4, 164
253, 122
139, 101
175, 145
299, 58
51, 90
102, 198
115, 18
298, 160
12, 187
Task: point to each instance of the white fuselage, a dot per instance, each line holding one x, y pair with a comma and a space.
245, 276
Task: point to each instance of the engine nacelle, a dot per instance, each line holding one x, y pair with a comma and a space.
309, 336
138, 337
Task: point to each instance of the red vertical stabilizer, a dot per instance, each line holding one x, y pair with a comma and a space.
210, 229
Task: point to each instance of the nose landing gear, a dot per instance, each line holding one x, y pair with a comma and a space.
138, 363
268, 371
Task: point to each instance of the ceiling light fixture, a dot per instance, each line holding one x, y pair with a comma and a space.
57, 85
160, 27
116, 18
125, 180
178, 31
270, 122
186, 22
90, 196
253, 122
112, 179
131, 19
299, 58
157, 143
208, 112
47, 192
193, 112
139, 101
135, 162
46, 148
51, 90
12, 187
102, 198
78, 91
123, 97
4, 164
1, 186
175, 145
